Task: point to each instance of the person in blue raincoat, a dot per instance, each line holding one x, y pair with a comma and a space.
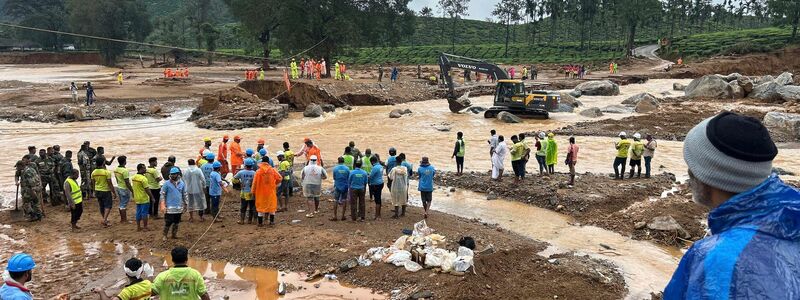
754, 248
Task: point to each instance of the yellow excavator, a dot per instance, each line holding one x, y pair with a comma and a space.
510, 94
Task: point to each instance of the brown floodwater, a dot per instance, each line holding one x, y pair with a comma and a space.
646, 267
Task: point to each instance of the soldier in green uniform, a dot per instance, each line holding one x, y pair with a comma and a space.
65, 169
57, 176
20, 167
85, 166
31, 186
47, 169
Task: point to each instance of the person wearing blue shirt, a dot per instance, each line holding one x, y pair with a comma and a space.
358, 187
173, 192
341, 184
391, 161
405, 163
376, 184
207, 168
426, 173
215, 189
245, 178
20, 271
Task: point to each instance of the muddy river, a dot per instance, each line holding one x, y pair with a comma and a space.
646, 267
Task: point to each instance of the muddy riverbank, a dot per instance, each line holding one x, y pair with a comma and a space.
314, 244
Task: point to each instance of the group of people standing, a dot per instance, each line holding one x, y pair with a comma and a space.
256, 74
310, 68
574, 71
546, 153
394, 74
177, 73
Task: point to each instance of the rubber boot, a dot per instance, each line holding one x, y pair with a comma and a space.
174, 231
396, 211
403, 214
241, 218
572, 180
166, 231
123, 216
271, 219
260, 221
631, 174
250, 217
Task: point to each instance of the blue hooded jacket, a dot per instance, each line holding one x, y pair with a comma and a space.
754, 252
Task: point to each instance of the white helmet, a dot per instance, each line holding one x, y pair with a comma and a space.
637, 136
313, 157
541, 135
622, 133
206, 152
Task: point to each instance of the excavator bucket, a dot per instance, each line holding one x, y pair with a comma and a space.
460, 103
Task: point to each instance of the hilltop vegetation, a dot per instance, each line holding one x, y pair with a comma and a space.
729, 42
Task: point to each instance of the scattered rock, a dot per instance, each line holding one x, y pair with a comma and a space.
639, 225
784, 122
348, 265
767, 91
508, 117
784, 79
746, 84
452, 189
735, 90
598, 88
422, 295
491, 196
568, 99
709, 86
406, 111
646, 106
464, 100
678, 86
667, 223
575, 93
327, 107
616, 109
635, 99
591, 112
130, 107
789, 92
477, 109
313, 111
566, 108
71, 113
764, 79
730, 77
442, 127
396, 113
155, 109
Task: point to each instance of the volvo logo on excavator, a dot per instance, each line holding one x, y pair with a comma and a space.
463, 66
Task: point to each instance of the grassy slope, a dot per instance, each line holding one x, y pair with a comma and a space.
729, 42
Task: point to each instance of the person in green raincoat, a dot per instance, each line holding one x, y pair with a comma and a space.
551, 157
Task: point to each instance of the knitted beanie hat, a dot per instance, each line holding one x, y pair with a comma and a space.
730, 152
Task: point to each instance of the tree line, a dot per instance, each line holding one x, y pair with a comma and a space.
329, 27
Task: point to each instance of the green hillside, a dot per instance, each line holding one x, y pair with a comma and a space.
729, 42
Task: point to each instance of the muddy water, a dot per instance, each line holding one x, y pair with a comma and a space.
646, 266
55, 73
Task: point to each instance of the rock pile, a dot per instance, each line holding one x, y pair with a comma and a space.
236, 108
736, 86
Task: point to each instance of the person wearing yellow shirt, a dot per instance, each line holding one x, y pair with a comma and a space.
142, 195
104, 189
122, 175
138, 288
622, 146
153, 175
637, 149
74, 198
285, 169
517, 153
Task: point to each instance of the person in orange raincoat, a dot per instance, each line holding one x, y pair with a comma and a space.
310, 149
237, 155
222, 157
166, 72
318, 70
265, 190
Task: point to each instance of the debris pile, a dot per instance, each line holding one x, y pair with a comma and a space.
737, 86
236, 108
422, 249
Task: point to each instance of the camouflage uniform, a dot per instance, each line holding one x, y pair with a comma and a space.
31, 185
85, 165
58, 175
47, 169
65, 168
19, 170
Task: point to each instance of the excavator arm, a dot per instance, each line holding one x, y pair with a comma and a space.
449, 61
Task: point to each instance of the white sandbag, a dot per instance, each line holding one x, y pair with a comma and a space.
377, 253
447, 262
412, 266
462, 263
464, 251
400, 243
399, 258
421, 229
435, 258
364, 261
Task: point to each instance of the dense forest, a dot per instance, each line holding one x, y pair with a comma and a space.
354, 27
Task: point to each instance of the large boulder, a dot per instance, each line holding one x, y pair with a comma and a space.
736, 91
508, 117
647, 105
709, 86
477, 109
327, 107
598, 88
784, 79
591, 112
396, 113
464, 100
575, 93
678, 86
767, 91
616, 109
746, 84
730, 77
563, 107
789, 92
71, 113
763, 79
313, 111
568, 99
635, 99
783, 122
668, 223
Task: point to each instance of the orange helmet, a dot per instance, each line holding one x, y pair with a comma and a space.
306, 140
237, 137
225, 137
261, 141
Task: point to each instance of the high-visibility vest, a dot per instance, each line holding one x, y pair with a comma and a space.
461, 148
75, 190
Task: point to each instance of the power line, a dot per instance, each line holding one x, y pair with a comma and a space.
153, 44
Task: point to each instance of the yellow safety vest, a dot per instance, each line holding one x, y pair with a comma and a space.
77, 196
